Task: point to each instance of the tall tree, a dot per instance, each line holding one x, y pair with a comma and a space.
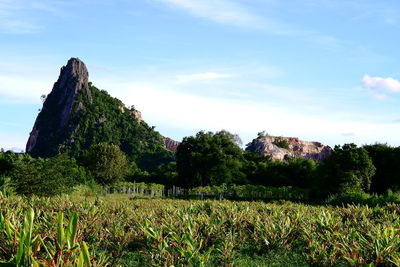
349, 168
107, 163
386, 159
209, 159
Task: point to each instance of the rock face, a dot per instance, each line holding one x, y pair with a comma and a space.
170, 144
282, 148
138, 115
57, 108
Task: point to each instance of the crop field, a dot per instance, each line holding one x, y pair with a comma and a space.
117, 231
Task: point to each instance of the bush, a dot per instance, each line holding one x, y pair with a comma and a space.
6, 188
47, 177
282, 143
90, 189
349, 198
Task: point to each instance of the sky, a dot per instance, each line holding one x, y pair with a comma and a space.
320, 70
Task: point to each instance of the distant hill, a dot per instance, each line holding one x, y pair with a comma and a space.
76, 115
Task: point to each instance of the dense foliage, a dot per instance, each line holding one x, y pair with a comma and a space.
6, 163
386, 159
348, 169
46, 177
105, 119
75, 231
215, 159
212, 159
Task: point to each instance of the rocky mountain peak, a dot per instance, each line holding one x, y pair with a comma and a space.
73, 77
55, 114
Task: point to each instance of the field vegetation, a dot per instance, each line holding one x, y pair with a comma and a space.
74, 230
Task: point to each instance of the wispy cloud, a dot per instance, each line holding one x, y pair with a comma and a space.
21, 17
383, 11
205, 76
378, 87
231, 13
19, 89
11, 19
242, 117
220, 11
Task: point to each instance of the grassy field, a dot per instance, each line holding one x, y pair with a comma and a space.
116, 231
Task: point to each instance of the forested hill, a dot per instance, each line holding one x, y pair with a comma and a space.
76, 115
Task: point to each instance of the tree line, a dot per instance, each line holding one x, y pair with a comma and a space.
209, 159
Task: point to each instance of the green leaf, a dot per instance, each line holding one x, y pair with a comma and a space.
60, 230
86, 255
71, 230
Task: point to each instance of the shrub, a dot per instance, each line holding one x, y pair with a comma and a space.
47, 177
282, 143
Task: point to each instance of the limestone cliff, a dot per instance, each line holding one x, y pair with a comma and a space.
282, 148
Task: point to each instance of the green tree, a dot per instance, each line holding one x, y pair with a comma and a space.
349, 168
6, 162
107, 163
386, 159
165, 174
209, 159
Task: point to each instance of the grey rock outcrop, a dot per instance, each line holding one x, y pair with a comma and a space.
57, 108
293, 147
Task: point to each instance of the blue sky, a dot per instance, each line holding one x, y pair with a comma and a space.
322, 70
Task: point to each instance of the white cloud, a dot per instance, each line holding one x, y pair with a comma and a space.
183, 112
378, 83
231, 13
377, 95
202, 77
188, 113
21, 17
23, 89
15, 142
220, 11
378, 86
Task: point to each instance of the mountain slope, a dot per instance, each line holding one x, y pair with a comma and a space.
76, 115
